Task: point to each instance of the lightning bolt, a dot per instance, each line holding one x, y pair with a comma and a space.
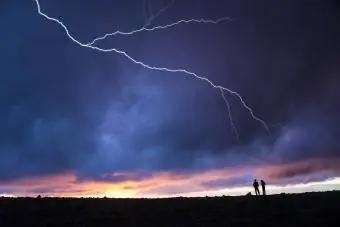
233, 126
144, 10
202, 21
153, 17
150, 8
149, 66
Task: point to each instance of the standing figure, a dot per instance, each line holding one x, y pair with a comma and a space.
263, 185
256, 187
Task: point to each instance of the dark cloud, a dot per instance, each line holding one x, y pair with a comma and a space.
64, 108
307, 168
296, 171
116, 177
234, 181
48, 189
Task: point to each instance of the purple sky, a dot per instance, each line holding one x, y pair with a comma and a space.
96, 120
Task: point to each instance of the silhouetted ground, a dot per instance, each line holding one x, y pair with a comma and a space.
310, 209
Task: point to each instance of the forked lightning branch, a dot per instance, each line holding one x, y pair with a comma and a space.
91, 45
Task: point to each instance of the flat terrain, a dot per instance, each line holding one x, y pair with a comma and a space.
310, 209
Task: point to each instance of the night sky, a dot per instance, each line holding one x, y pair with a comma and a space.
76, 121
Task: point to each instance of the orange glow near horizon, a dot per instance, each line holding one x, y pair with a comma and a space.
164, 184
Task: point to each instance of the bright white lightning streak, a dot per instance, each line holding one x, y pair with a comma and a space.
202, 21
150, 66
230, 116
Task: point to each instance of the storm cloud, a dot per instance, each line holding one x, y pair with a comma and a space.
68, 109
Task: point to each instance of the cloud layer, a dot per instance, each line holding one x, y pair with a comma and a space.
69, 110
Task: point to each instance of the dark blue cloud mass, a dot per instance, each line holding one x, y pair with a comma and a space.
65, 108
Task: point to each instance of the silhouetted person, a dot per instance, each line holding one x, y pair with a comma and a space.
256, 187
263, 185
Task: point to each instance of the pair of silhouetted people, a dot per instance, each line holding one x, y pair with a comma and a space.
256, 187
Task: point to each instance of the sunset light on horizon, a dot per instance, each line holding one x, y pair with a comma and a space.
168, 98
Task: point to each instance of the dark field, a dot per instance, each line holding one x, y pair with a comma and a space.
310, 209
